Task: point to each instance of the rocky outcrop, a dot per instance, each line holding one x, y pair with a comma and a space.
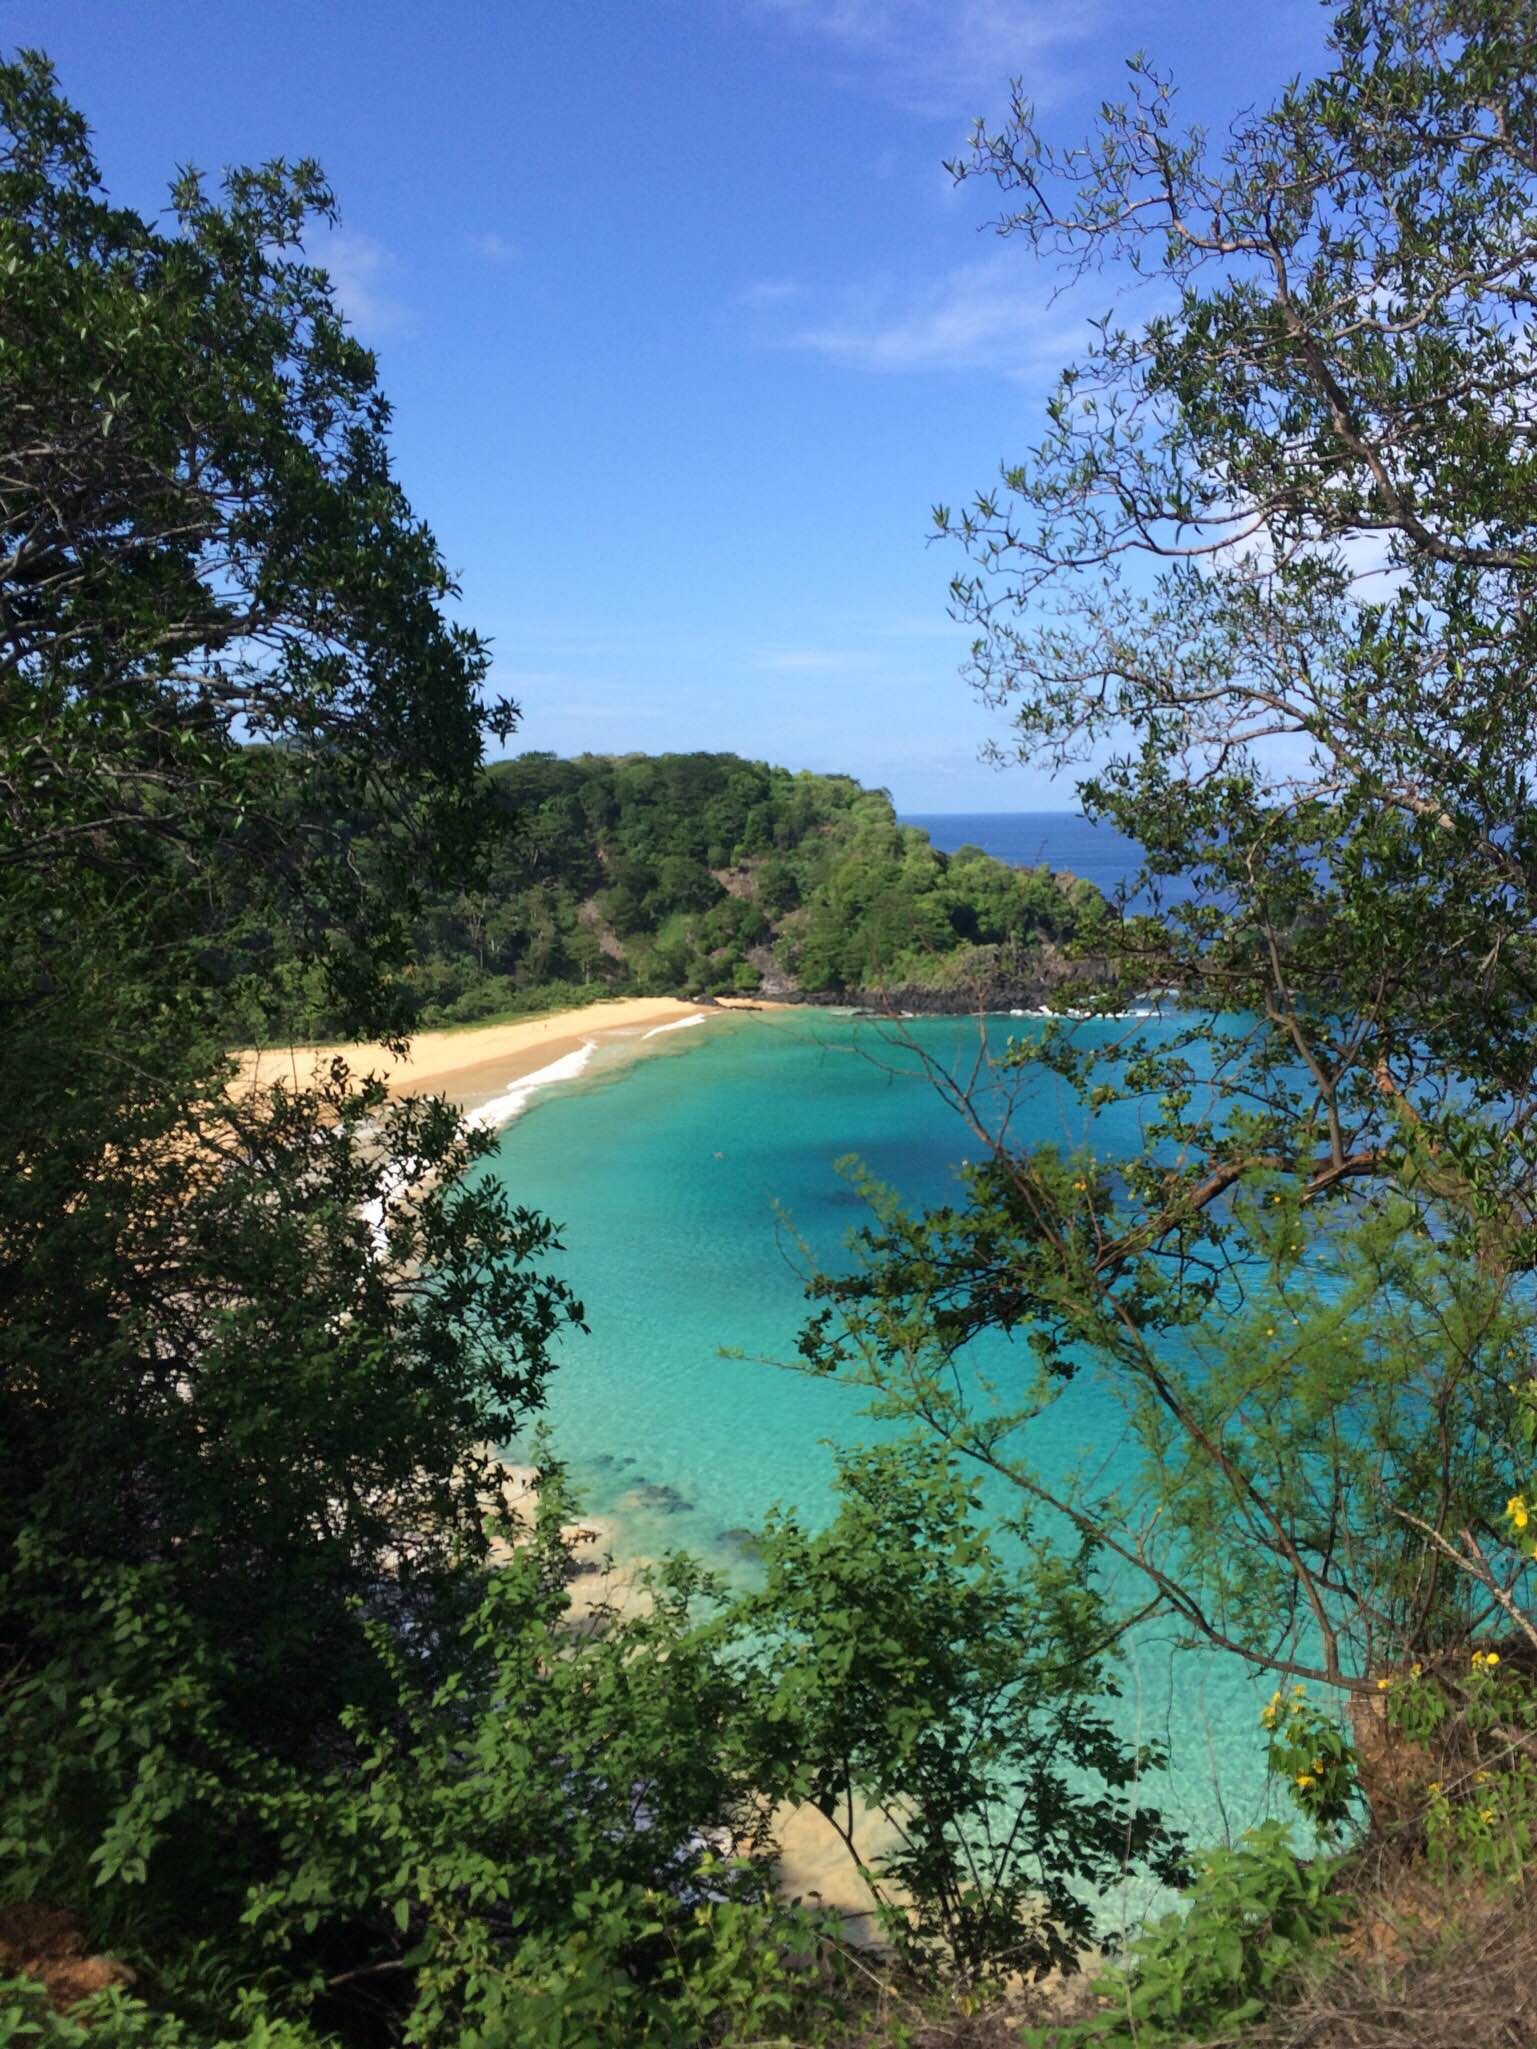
1019, 981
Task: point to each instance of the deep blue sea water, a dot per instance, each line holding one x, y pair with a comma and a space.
672, 1175
1057, 839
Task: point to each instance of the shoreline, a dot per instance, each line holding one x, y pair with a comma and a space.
479, 1067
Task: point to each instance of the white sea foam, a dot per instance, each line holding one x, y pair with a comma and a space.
490, 1116
514, 1099
678, 1024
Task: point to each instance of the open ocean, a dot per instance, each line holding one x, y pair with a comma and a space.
1056, 839
682, 1180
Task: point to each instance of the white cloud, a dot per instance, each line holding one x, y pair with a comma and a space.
811, 661
949, 58
979, 316
768, 292
361, 272
492, 247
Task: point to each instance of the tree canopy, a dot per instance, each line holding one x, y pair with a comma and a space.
219, 1369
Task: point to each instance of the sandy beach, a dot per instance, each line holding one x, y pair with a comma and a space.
479, 1065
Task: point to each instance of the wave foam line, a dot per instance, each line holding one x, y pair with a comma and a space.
678, 1024
514, 1100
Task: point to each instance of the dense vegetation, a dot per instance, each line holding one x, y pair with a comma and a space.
692, 874
295, 1716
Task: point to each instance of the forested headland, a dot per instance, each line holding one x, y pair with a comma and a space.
695, 874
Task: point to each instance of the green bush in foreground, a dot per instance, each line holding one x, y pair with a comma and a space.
1253, 1917
560, 1831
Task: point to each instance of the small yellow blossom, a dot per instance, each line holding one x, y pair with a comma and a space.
1434, 1788
1415, 1671
1480, 1778
1298, 1692
1518, 1510
1383, 1685
1304, 1778
1486, 1814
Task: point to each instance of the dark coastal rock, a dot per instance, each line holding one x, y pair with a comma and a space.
1003, 979
659, 1498
740, 1543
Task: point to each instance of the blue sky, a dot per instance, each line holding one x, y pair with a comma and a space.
685, 325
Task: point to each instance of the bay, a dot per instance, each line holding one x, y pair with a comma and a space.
692, 1184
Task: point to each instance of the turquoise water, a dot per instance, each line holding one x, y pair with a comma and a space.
664, 1173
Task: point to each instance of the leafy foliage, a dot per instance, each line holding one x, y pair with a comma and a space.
902, 1669
213, 1363
1253, 1917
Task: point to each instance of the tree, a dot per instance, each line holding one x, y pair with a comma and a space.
1268, 580
256, 1343
895, 1666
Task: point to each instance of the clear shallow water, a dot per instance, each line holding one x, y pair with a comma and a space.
664, 1173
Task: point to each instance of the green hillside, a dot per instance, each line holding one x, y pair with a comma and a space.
707, 874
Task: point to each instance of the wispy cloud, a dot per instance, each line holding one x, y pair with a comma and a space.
491, 247
944, 58
979, 316
769, 291
362, 273
812, 661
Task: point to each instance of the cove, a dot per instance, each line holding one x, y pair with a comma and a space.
664, 1174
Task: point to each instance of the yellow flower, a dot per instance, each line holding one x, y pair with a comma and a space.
1518, 1511
1298, 1691
1270, 1330
1486, 1814
1415, 1671
1433, 1788
1383, 1685
1480, 1778
1304, 1778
